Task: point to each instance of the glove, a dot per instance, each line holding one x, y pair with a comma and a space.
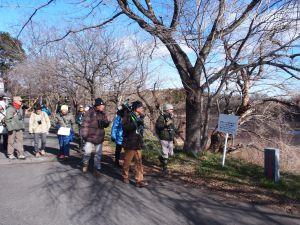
140, 123
169, 123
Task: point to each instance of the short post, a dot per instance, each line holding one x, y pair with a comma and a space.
272, 164
224, 150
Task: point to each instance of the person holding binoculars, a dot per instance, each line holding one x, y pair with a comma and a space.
39, 125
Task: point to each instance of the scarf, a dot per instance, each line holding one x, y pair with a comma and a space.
16, 105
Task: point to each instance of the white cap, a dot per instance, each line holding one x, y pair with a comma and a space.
64, 107
167, 107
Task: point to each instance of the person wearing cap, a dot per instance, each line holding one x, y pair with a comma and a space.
39, 125
133, 125
14, 121
64, 119
3, 129
78, 120
117, 135
92, 131
165, 130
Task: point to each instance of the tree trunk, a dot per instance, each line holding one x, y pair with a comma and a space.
193, 122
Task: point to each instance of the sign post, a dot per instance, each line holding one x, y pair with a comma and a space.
227, 124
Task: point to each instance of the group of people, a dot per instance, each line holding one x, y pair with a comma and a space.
127, 133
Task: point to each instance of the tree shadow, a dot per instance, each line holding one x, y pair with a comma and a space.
106, 200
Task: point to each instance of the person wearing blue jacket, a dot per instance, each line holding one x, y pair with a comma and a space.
117, 136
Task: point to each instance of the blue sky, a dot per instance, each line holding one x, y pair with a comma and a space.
61, 15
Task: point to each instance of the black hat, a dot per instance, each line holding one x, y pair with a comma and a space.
38, 107
99, 101
136, 104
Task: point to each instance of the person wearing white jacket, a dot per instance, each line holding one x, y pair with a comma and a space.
39, 125
3, 129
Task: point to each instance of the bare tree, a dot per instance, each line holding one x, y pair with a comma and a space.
220, 34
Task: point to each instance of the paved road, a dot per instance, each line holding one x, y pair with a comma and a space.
57, 193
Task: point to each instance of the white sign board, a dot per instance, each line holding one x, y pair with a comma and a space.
228, 124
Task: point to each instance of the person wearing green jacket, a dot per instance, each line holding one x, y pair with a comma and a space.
165, 130
14, 121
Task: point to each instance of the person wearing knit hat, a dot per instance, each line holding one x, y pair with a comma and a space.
165, 130
3, 129
14, 121
133, 125
39, 125
93, 133
64, 124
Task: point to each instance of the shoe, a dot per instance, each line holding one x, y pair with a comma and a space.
97, 173
21, 157
37, 154
165, 172
85, 168
11, 157
42, 152
142, 184
61, 156
126, 181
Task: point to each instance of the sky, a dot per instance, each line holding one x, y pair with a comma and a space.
62, 15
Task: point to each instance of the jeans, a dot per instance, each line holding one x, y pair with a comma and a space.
37, 138
64, 145
88, 148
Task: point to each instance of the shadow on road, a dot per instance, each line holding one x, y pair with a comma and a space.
106, 200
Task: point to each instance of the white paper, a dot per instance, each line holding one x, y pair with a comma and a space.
65, 131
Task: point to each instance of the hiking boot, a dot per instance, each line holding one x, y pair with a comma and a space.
11, 157
22, 157
42, 152
61, 156
85, 168
97, 173
142, 184
165, 172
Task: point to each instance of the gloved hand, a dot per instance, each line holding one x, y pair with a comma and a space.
140, 123
169, 122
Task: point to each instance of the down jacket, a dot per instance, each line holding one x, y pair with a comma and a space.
93, 125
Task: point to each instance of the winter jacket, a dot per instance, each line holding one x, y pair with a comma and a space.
79, 118
164, 132
117, 130
46, 110
35, 127
93, 125
3, 129
64, 120
14, 119
132, 140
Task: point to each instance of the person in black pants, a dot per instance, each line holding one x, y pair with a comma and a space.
117, 136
